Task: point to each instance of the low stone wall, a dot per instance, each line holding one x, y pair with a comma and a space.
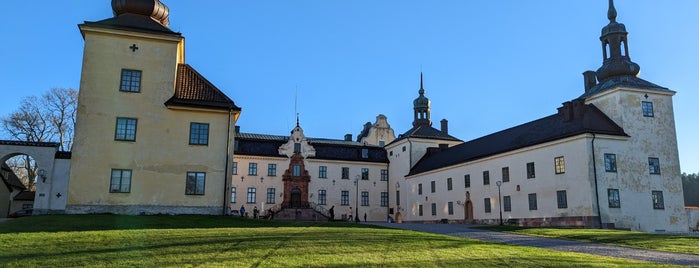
142, 210
579, 221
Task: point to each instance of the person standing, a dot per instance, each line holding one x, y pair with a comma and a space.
364, 216
242, 211
255, 211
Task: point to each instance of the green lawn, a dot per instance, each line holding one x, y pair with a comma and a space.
157, 241
661, 242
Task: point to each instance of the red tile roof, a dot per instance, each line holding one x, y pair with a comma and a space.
193, 90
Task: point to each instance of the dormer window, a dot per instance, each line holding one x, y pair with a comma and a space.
365, 153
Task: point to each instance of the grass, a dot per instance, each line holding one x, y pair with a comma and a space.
661, 242
186, 241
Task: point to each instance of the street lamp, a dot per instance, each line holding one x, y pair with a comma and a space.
356, 200
499, 183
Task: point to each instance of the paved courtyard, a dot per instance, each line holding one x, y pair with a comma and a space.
465, 231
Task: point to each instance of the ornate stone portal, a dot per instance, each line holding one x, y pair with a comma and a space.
296, 177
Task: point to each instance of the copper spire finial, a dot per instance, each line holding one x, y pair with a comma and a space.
422, 90
611, 14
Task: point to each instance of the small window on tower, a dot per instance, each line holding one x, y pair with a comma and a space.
130, 81
647, 108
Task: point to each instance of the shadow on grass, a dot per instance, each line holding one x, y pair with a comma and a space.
98, 222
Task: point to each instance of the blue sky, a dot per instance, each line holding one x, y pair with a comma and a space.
488, 65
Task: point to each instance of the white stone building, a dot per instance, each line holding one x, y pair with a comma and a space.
607, 158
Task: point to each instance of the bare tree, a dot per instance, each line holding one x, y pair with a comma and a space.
45, 119
61, 105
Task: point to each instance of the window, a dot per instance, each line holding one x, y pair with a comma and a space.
613, 197
121, 181
434, 209
296, 170
322, 197
384, 199
397, 198
195, 183
365, 199
467, 180
384, 174
647, 108
26, 206
365, 153
271, 169
323, 172
419, 189
345, 173
271, 195
252, 169
403, 148
658, 202
450, 208
297, 147
562, 199
653, 165
486, 204
198, 133
560, 165
432, 186
531, 173
419, 207
235, 168
532, 202
382, 143
610, 162
252, 194
232, 194
344, 198
365, 173
130, 81
125, 129
449, 185
486, 177
505, 174
507, 203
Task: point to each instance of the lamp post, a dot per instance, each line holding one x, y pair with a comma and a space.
499, 183
356, 200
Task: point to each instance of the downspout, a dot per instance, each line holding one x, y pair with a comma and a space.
594, 171
225, 172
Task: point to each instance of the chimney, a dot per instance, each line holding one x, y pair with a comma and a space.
237, 129
566, 111
590, 80
445, 126
348, 137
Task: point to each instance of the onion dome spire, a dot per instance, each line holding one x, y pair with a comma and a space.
615, 49
421, 106
154, 9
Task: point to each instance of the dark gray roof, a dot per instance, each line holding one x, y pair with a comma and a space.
546, 129
193, 90
11, 180
25, 196
328, 149
29, 143
425, 132
134, 23
622, 81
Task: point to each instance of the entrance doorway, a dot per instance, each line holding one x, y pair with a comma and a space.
296, 198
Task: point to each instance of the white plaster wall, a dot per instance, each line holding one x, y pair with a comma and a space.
649, 137
575, 181
333, 184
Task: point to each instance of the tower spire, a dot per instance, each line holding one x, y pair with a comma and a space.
421, 107
615, 49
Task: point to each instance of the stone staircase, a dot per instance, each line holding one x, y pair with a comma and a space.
299, 214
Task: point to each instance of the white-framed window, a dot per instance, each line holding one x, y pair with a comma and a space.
232, 194
365, 198
252, 168
384, 199
271, 195
560, 165
252, 195
344, 198
323, 172
271, 169
322, 197
384, 174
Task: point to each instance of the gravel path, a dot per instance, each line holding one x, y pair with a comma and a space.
462, 230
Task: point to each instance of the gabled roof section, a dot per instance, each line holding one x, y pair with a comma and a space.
328, 149
25, 196
134, 23
193, 90
10, 179
425, 132
628, 81
547, 129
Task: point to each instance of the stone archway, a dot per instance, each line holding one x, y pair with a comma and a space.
51, 189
